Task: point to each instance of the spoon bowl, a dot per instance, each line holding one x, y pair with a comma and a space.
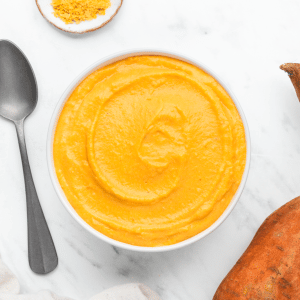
18, 99
18, 87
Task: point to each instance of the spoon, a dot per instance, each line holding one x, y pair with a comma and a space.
18, 99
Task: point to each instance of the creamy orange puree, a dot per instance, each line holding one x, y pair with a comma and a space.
149, 150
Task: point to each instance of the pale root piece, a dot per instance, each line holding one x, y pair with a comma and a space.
293, 71
270, 267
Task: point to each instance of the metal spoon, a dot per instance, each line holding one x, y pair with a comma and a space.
18, 99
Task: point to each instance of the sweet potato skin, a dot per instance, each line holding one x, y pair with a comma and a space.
270, 267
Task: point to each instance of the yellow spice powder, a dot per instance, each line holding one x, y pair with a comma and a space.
79, 10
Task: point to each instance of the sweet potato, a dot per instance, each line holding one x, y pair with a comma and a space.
270, 267
293, 70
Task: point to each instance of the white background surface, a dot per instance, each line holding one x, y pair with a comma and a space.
244, 42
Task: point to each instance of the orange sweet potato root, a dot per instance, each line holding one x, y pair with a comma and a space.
270, 267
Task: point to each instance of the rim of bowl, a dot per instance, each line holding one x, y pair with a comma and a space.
52, 127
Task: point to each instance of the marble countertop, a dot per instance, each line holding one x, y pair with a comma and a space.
244, 42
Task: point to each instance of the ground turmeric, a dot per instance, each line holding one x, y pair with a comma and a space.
71, 11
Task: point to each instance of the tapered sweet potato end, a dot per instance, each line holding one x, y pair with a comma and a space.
293, 70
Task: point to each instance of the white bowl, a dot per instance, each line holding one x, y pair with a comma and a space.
47, 10
104, 62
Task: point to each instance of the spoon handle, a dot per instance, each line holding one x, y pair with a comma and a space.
41, 250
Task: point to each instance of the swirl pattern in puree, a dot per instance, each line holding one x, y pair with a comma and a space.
149, 150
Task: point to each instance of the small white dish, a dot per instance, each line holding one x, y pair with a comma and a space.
47, 10
56, 114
